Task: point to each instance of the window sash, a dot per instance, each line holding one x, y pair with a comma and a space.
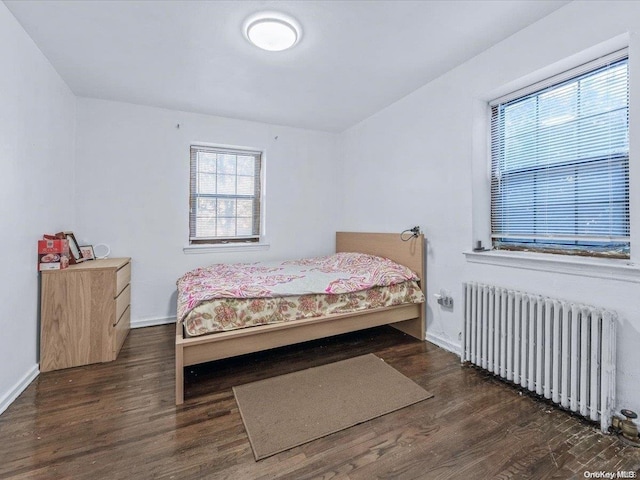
225, 195
560, 163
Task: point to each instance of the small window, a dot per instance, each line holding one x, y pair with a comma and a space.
224, 201
560, 164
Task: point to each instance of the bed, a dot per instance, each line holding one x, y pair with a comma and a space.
407, 317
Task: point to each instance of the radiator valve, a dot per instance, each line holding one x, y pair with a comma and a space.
626, 428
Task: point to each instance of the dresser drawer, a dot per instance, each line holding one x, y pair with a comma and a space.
122, 329
123, 278
122, 302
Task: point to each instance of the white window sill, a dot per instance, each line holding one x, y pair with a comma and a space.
607, 268
226, 247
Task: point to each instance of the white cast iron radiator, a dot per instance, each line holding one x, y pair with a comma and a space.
560, 350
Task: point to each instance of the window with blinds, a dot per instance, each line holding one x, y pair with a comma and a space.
224, 195
560, 163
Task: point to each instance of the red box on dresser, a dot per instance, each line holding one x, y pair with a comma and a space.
53, 254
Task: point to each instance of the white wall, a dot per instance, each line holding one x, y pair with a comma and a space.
420, 153
133, 191
37, 179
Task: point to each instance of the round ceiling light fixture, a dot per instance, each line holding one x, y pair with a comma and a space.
272, 31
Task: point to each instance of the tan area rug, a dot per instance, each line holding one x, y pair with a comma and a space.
286, 411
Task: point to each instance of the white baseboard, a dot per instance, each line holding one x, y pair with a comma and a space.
152, 322
9, 397
444, 343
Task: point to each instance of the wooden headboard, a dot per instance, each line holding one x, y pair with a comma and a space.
388, 245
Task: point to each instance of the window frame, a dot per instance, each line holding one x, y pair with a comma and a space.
228, 243
535, 89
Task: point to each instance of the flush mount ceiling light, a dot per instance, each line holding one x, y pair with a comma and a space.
272, 31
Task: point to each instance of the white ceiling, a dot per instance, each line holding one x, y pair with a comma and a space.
355, 57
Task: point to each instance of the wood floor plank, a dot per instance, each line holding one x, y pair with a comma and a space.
118, 421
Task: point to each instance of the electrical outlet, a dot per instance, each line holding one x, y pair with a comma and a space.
444, 299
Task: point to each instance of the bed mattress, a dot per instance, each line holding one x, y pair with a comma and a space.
232, 313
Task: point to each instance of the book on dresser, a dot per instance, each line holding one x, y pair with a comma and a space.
85, 313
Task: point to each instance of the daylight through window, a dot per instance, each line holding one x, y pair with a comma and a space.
560, 164
225, 195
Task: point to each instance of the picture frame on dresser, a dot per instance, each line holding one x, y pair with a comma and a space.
74, 248
75, 254
87, 252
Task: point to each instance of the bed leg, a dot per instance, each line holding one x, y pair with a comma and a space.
414, 327
179, 376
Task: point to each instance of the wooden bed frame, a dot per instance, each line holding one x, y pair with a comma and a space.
408, 318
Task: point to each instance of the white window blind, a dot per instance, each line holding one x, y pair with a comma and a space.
224, 195
560, 163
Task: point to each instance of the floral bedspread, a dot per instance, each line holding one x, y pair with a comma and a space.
334, 274
226, 314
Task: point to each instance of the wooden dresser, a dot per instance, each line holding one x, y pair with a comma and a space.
85, 313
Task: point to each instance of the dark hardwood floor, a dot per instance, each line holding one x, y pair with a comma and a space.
118, 421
